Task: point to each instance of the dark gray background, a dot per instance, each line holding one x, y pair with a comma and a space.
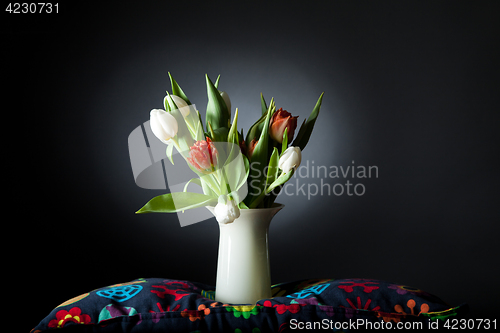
411, 87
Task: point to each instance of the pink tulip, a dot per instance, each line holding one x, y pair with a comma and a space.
203, 156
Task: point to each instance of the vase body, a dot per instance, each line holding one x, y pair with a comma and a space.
243, 272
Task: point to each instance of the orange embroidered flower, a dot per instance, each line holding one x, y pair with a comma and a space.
203, 307
411, 304
74, 315
193, 315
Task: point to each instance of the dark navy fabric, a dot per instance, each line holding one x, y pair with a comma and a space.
162, 305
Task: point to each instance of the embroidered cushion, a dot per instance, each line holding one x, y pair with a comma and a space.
158, 304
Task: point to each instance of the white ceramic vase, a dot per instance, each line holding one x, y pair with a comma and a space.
243, 273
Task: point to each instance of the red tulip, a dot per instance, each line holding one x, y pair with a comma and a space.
243, 147
282, 119
253, 143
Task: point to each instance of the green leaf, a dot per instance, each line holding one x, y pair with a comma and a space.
260, 151
201, 122
176, 202
196, 127
232, 137
176, 90
216, 84
196, 181
280, 181
207, 184
210, 131
263, 104
217, 113
284, 144
259, 160
255, 130
247, 165
272, 169
170, 149
307, 127
166, 101
220, 134
271, 182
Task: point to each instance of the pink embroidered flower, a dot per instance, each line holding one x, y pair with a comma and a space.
203, 156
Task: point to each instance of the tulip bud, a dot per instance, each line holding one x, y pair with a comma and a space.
282, 119
163, 125
225, 96
227, 210
253, 143
290, 159
243, 147
173, 102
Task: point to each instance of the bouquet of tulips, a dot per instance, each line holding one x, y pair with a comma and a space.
233, 170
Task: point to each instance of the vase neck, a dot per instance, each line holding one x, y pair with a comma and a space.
254, 214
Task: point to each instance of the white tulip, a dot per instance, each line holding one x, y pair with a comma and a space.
225, 96
179, 104
163, 125
290, 159
226, 211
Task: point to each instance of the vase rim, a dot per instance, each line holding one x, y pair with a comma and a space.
274, 206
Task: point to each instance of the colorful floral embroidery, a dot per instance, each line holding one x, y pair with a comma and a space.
203, 307
120, 293
193, 315
175, 308
387, 317
424, 308
282, 308
199, 314
74, 315
156, 316
243, 310
113, 311
210, 294
254, 330
172, 288
177, 293
453, 312
403, 290
328, 310
362, 283
336, 300
284, 327
359, 306
184, 284
316, 289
